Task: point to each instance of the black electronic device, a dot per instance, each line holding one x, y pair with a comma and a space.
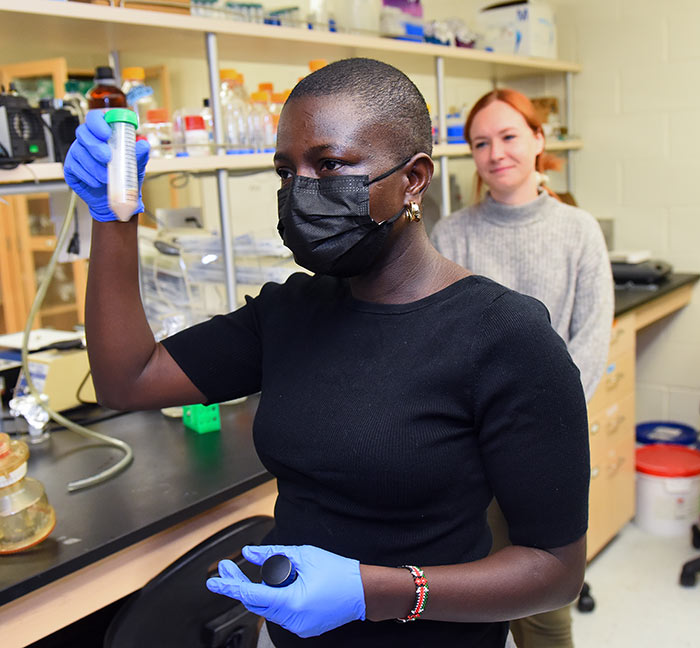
646, 272
22, 136
61, 126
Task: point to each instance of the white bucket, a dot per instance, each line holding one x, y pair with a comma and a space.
668, 489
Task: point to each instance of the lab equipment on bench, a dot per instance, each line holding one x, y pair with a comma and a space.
182, 272
648, 273
22, 137
34, 406
26, 517
61, 121
63, 376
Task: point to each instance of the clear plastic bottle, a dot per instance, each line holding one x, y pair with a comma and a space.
235, 110
239, 88
261, 123
276, 103
317, 64
74, 100
139, 96
196, 136
122, 180
159, 133
105, 94
26, 517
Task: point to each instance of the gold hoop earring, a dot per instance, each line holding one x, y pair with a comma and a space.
413, 212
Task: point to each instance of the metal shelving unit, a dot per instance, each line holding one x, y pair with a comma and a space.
118, 29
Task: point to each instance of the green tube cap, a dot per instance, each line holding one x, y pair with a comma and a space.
122, 115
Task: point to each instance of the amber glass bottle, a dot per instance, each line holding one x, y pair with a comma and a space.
105, 94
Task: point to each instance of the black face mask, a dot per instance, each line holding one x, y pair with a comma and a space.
326, 223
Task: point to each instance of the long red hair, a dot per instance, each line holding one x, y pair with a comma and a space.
518, 101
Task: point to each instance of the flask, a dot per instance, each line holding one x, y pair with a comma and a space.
26, 517
74, 100
122, 180
159, 133
139, 96
261, 123
105, 94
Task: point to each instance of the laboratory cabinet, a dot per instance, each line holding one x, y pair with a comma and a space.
611, 410
27, 241
611, 422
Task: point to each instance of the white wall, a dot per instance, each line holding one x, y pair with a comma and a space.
637, 107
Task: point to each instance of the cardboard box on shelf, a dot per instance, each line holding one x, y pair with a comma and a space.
524, 27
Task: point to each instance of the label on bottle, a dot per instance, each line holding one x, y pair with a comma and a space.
138, 93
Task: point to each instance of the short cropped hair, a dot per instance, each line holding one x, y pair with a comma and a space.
390, 98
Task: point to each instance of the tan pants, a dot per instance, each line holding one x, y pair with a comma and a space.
545, 630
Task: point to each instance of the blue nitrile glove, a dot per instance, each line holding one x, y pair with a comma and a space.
85, 168
327, 593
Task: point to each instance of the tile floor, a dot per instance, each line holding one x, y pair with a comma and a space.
639, 602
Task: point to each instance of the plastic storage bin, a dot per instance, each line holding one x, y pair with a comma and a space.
668, 489
651, 432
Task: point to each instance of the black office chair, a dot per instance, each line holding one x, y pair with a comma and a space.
692, 568
175, 609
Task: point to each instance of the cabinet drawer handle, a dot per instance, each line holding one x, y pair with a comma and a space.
595, 471
614, 427
595, 428
611, 383
613, 470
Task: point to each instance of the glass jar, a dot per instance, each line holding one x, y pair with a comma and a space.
26, 517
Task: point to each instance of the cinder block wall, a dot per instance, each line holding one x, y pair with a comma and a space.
637, 107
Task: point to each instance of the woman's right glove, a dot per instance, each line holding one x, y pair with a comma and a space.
85, 168
327, 593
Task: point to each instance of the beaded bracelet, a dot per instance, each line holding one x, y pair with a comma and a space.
421, 593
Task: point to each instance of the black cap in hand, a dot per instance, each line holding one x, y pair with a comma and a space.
278, 571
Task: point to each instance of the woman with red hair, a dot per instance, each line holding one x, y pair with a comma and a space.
521, 235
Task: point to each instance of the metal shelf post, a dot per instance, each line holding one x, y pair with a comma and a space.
445, 208
221, 174
569, 84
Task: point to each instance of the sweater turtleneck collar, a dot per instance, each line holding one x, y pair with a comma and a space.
513, 215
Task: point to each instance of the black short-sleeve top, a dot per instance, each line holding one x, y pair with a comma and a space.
390, 427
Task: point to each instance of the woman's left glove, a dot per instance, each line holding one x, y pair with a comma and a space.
327, 593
